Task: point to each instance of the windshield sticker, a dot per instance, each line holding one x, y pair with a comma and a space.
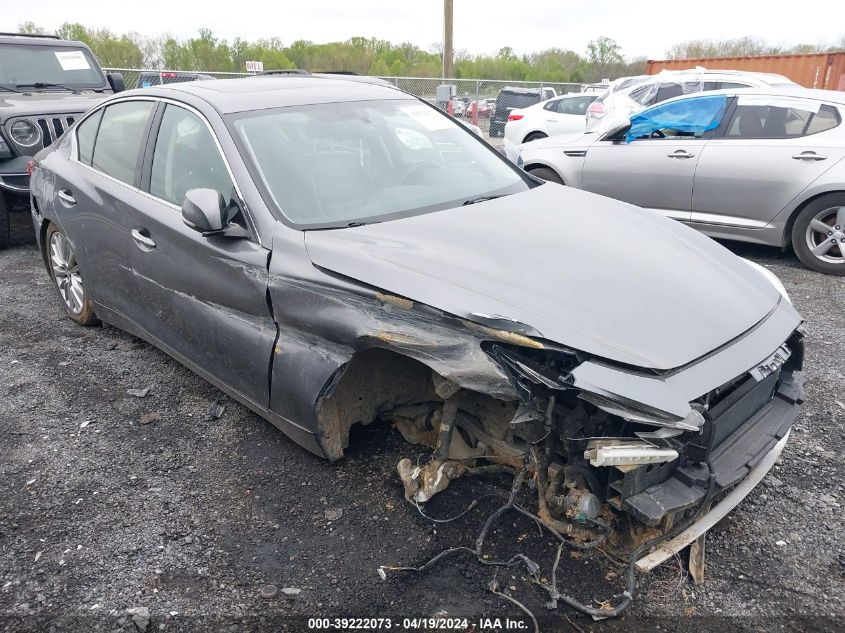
72, 60
427, 117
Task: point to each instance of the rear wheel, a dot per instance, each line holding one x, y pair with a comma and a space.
534, 136
64, 270
818, 235
546, 173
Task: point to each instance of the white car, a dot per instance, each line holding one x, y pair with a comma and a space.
458, 107
632, 94
561, 115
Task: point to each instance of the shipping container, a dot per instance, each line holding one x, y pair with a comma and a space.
815, 70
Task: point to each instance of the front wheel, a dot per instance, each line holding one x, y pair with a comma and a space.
546, 174
64, 270
818, 235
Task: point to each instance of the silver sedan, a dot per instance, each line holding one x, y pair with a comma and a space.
750, 165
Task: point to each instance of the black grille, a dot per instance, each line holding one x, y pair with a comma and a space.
53, 128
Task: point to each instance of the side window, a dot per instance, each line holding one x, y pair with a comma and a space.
552, 105
732, 85
668, 91
119, 139
691, 118
186, 157
85, 135
576, 105
825, 119
753, 120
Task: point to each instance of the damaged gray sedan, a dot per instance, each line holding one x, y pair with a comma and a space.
330, 253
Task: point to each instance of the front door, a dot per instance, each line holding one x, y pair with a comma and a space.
653, 166
204, 298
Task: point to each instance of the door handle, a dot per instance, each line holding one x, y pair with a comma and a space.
145, 241
66, 197
680, 153
810, 155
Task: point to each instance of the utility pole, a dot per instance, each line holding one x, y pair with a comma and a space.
447, 39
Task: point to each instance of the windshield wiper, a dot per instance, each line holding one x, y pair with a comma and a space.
42, 84
6, 88
479, 199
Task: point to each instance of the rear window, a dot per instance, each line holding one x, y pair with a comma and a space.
516, 99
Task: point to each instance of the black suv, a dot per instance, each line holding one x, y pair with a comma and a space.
45, 84
512, 98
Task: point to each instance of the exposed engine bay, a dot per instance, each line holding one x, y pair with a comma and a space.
606, 471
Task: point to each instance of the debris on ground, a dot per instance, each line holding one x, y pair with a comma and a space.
148, 418
216, 410
269, 591
139, 393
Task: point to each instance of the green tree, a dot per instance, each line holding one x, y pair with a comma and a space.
30, 27
75, 32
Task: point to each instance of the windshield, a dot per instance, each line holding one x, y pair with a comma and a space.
24, 65
335, 164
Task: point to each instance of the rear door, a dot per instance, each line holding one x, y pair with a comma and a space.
94, 194
568, 114
771, 149
204, 298
655, 169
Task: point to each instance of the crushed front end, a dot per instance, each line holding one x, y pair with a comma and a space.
620, 455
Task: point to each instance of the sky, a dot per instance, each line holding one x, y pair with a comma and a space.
481, 26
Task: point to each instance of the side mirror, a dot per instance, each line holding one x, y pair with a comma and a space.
205, 210
116, 82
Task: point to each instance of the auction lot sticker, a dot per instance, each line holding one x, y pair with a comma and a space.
72, 60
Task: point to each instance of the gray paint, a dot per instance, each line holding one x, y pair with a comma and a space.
275, 320
613, 281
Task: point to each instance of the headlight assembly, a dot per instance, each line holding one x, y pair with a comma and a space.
25, 133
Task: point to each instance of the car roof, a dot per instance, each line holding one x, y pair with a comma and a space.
767, 78
269, 91
828, 96
40, 40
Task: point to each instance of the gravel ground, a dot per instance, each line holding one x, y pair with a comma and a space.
114, 502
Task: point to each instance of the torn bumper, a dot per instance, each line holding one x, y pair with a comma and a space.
744, 433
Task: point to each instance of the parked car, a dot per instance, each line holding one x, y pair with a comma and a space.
481, 106
632, 94
512, 98
332, 253
749, 165
561, 115
45, 84
157, 78
458, 107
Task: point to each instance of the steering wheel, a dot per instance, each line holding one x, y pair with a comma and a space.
658, 134
417, 169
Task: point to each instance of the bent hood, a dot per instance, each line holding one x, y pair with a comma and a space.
579, 269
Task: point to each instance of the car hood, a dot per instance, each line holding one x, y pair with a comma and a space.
37, 103
579, 269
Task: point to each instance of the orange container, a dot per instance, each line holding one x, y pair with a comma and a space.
815, 70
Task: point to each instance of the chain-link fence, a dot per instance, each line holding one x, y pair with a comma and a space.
475, 100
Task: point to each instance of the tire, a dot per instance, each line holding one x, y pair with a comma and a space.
534, 136
67, 278
547, 174
821, 249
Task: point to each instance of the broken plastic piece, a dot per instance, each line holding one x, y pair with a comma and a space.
628, 454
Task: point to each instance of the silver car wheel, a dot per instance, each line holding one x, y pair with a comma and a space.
66, 272
826, 235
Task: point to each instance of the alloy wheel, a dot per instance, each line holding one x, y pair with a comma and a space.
66, 272
826, 235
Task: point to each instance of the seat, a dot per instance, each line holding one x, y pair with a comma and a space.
750, 125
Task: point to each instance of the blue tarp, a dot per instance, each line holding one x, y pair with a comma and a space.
695, 115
